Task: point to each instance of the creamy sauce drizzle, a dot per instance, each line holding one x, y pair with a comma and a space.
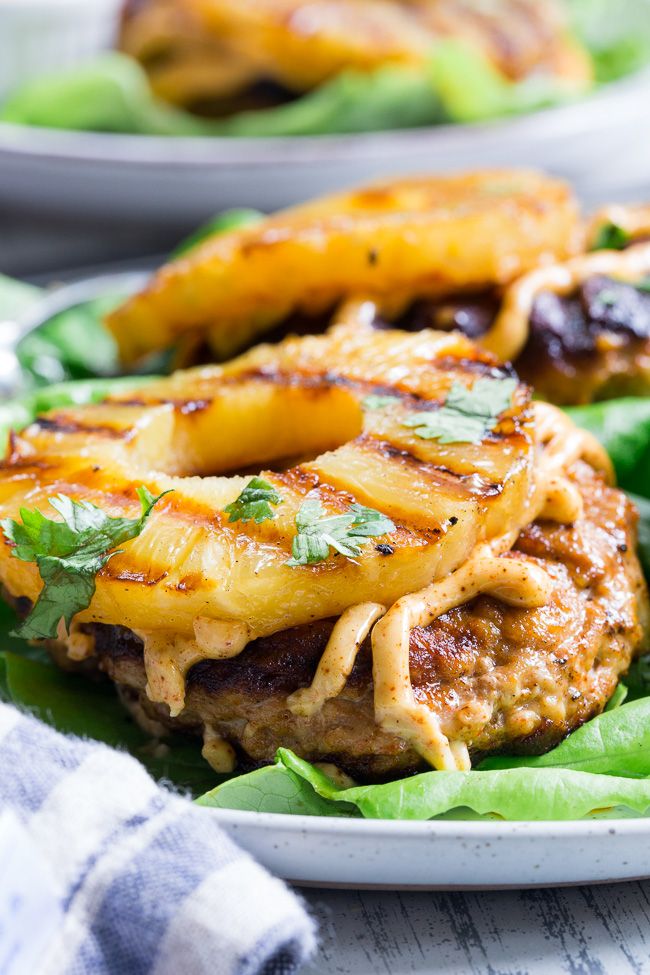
168, 656
336, 664
217, 751
509, 333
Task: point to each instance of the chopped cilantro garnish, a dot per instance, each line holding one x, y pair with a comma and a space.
319, 532
254, 502
376, 402
69, 554
467, 414
610, 237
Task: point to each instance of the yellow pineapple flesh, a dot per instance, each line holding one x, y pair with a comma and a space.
305, 398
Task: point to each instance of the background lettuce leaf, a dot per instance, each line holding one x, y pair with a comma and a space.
112, 94
77, 705
623, 428
618, 37
72, 345
471, 89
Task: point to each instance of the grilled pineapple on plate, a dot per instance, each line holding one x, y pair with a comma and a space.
304, 398
390, 241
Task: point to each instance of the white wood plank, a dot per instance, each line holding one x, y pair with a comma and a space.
578, 931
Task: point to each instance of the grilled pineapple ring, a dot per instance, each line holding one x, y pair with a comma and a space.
195, 586
393, 240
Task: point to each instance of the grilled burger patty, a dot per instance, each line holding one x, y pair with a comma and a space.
505, 679
591, 344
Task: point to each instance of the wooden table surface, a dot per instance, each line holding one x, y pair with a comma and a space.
602, 930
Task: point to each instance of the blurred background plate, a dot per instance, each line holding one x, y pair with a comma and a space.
147, 190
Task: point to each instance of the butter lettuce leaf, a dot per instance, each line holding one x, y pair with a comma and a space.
623, 428
512, 794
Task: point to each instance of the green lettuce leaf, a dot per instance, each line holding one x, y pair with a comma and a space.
513, 793
109, 94
619, 43
275, 789
72, 345
623, 428
471, 89
390, 98
112, 94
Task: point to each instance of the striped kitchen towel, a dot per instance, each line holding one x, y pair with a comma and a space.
105, 873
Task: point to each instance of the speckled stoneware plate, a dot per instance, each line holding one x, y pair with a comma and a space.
442, 854
179, 181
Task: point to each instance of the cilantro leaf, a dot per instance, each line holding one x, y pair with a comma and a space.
254, 502
319, 532
610, 237
467, 414
377, 402
69, 554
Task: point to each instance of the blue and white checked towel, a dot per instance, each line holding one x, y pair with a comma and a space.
102, 872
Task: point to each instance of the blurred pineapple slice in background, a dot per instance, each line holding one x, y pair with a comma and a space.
393, 240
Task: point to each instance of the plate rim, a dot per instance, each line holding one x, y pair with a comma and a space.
572, 118
445, 829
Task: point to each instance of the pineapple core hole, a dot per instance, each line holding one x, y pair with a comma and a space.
254, 425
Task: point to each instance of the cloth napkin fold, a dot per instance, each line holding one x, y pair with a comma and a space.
131, 879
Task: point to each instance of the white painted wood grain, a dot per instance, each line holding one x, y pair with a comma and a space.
579, 931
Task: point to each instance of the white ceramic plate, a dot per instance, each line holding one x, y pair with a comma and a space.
596, 142
442, 855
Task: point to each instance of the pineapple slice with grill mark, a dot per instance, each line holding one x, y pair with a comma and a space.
395, 240
210, 49
303, 397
